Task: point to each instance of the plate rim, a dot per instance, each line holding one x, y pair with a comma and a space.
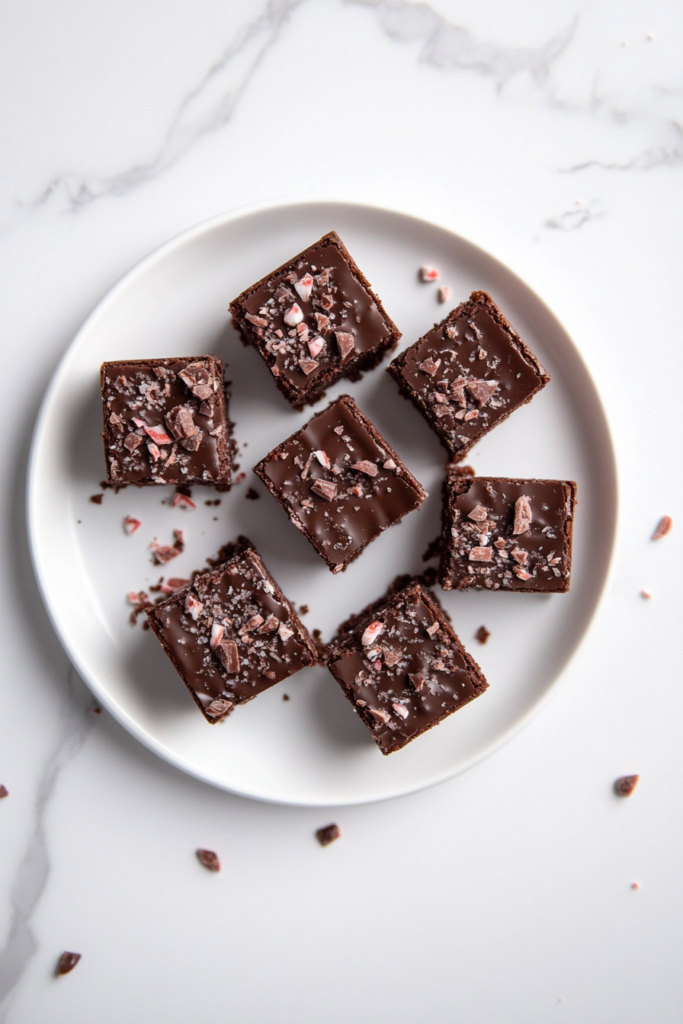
158, 254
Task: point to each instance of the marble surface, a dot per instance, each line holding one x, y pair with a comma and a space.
550, 134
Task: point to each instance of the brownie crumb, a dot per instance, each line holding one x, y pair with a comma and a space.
433, 549
285, 696
252, 495
67, 962
209, 859
462, 470
215, 501
97, 711
625, 785
663, 527
96, 499
328, 834
482, 634
4, 791
303, 609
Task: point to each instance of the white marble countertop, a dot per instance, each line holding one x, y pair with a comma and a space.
550, 134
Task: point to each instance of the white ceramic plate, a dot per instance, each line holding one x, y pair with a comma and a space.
311, 749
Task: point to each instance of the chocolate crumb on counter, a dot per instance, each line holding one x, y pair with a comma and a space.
340, 482
625, 785
502, 534
315, 320
166, 422
303, 609
3, 792
433, 549
328, 834
482, 634
209, 859
663, 527
285, 696
231, 633
252, 495
469, 373
97, 711
96, 499
401, 665
67, 962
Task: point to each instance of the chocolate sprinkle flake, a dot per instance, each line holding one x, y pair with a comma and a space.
625, 785
482, 634
252, 495
285, 696
663, 527
67, 962
4, 791
328, 834
96, 499
209, 859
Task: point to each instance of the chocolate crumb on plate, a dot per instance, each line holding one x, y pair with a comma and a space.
469, 373
663, 527
209, 859
67, 962
482, 634
285, 696
314, 320
252, 495
96, 499
625, 784
4, 791
328, 834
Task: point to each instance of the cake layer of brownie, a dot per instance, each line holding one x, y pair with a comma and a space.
340, 482
402, 666
166, 422
315, 319
502, 534
232, 634
469, 373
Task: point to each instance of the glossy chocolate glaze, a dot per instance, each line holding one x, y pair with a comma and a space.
362, 505
415, 673
148, 390
538, 559
441, 373
233, 596
341, 297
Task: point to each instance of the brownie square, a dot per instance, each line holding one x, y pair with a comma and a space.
340, 482
469, 373
313, 320
506, 534
232, 634
402, 666
166, 422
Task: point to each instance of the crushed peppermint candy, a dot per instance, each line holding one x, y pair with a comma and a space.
218, 709
138, 598
368, 468
209, 860
429, 273
193, 607
663, 527
131, 524
183, 500
217, 631
315, 346
346, 344
478, 514
400, 710
379, 714
325, 489
293, 316
429, 366
444, 293
175, 583
227, 653
389, 464
304, 287
371, 633
480, 554
522, 515
323, 458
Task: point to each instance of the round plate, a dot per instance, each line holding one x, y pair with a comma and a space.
311, 749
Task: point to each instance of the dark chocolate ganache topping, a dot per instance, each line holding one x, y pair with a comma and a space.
405, 670
165, 421
468, 373
231, 634
512, 534
315, 315
340, 482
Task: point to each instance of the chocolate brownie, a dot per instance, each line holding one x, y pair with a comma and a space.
313, 320
340, 482
469, 373
402, 666
166, 422
232, 634
506, 534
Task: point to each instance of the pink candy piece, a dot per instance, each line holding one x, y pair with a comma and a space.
157, 434
304, 287
371, 633
175, 583
217, 631
193, 606
182, 499
315, 346
137, 598
154, 452
131, 524
293, 316
444, 293
428, 273
323, 459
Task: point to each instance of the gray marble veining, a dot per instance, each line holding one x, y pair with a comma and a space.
33, 871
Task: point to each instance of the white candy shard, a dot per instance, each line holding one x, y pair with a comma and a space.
400, 710
304, 287
217, 631
193, 607
315, 346
131, 524
323, 458
293, 316
428, 273
371, 633
284, 632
